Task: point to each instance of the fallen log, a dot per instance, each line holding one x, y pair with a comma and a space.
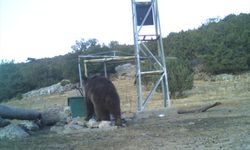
9, 112
202, 109
52, 115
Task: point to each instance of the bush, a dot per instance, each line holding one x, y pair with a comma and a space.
11, 81
65, 82
180, 77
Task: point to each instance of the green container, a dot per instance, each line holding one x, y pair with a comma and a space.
77, 106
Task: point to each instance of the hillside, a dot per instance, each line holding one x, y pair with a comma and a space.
223, 127
218, 46
225, 88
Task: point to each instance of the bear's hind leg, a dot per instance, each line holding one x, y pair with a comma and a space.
90, 110
102, 114
116, 112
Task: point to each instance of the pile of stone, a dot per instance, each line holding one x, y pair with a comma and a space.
63, 86
125, 70
59, 120
79, 124
22, 129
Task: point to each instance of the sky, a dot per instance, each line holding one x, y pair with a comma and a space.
47, 28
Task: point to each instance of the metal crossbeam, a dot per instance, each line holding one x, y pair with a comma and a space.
141, 48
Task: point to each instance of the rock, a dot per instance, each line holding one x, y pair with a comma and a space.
12, 131
104, 124
68, 128
69, 119
60, 87
73, 126
78, 121
63, 117
74, 129
57, 129
191, 123
92, 123
28, 126
4, 122
51, 116
161, 115
67, 110
224, 77
125, 70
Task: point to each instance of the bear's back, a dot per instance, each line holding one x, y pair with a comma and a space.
100, 87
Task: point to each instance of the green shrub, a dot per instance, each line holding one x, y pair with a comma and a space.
180, 77
65, 82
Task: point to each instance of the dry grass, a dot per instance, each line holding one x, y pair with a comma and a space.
223, 127
203, 92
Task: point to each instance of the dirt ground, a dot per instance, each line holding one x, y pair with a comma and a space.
223, 127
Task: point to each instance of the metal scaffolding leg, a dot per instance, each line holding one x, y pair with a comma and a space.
147, 14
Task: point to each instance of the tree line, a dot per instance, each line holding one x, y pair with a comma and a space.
218, 46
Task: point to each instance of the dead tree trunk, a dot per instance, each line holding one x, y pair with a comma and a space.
202, 109
8, 112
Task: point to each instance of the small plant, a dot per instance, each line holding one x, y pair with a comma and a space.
180, 77
65, 82
19, 96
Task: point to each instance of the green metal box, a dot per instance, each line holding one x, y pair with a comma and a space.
77, 106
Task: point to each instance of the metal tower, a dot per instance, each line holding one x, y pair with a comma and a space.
146, 29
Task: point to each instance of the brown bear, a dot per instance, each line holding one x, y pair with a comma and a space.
102, 99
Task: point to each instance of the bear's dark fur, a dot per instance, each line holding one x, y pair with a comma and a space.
102, 99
